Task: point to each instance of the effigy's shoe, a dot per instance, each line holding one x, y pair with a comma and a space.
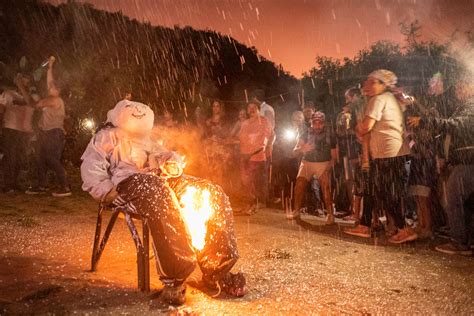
233, 284
174, 294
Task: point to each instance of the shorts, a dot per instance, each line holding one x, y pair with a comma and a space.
309, 169
422, 176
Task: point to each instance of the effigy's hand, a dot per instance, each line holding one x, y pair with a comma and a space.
170, 163
111, 196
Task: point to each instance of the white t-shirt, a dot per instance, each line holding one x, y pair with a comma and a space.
267, 111
386, 137
17, 116
52, 117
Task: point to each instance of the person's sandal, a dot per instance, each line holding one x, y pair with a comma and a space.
232, 284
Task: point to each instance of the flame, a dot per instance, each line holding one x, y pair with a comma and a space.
196, 210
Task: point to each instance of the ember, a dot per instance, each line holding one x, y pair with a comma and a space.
196, 211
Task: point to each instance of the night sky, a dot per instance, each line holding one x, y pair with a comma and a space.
294, 32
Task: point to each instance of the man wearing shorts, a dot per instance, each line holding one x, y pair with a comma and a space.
319, 151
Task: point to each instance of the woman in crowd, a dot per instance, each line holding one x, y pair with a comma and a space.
385, 124
254, 136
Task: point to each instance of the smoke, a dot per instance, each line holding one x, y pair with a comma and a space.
185, 140
462, 48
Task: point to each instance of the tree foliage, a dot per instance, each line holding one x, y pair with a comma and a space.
103, 55
414, 65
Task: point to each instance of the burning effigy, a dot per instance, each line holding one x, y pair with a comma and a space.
190, 218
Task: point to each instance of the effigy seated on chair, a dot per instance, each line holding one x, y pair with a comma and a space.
190, 219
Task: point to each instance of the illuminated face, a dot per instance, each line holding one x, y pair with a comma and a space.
373, 87
53, 91
308, 112
317, 125
135, 118
216, 107
252, 110
297, 122
167, 115
242, 115
436, 86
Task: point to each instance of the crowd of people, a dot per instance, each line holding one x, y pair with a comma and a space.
32, 122
386, 163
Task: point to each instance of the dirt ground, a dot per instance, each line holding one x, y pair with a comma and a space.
291, 268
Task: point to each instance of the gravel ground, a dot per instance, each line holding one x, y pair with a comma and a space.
305, 268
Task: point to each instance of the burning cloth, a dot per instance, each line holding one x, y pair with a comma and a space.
190, 219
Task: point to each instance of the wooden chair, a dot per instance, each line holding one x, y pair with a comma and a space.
142, 244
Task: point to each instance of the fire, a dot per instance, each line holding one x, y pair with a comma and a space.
196, 210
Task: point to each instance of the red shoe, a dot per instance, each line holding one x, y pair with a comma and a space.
403, 235
359, 231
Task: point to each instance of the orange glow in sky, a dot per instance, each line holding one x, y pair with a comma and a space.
294, 32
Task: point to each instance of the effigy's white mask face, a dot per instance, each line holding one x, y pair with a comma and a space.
135, 118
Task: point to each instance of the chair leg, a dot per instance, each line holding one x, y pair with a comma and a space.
98, 229
146, 253
141, 262
98, 251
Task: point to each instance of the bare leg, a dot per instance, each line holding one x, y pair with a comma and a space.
300, 190
424, 215
325, 181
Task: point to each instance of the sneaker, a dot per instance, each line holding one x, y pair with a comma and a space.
249, 210
359, 231
330, 220
174, 294
293, 214
261, 205
403, 235
425, 234
9, 191
454, 249
12, 189
36, 190
62, 193
276, 200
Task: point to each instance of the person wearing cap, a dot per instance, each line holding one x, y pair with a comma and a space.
318, 149
385, 123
